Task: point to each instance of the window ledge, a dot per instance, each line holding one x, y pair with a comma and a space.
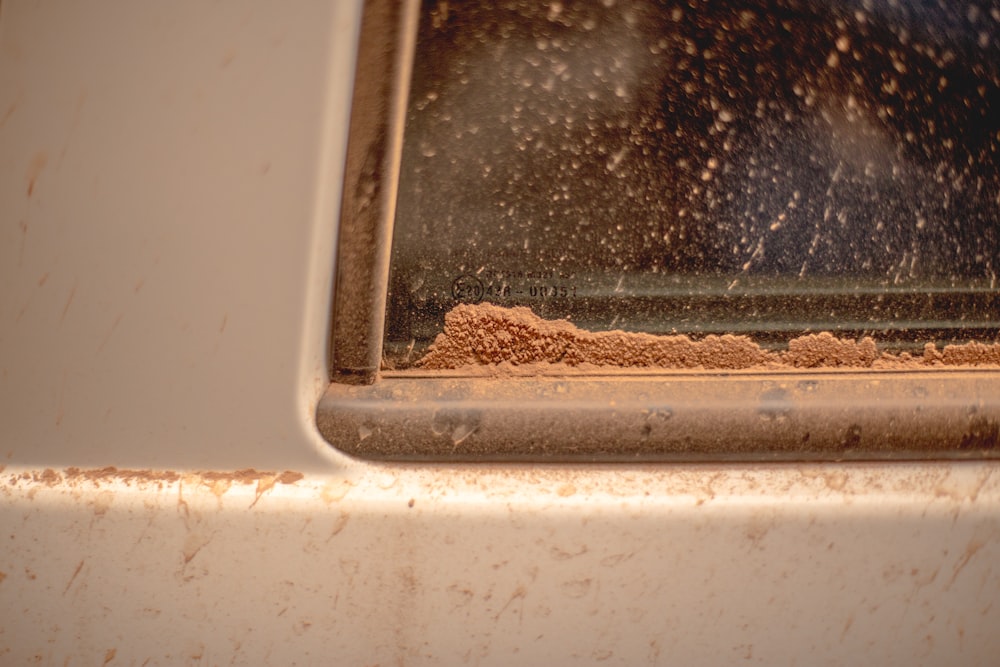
692, 416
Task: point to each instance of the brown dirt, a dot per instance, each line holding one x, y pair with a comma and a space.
489, 335
97, 476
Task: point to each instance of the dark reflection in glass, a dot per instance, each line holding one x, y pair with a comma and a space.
763, 166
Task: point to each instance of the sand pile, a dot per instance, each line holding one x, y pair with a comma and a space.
485, 334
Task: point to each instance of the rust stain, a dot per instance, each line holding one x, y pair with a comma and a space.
228, 58
566, 490
946, 488
339, 525
971, 550
23, 226
332, 493
264, 484
110, 655
499, 481
519, 594
756, 532
138, 285
69, 302
102, 503
576, 589
61, 408
562, 554
615, 559
111, 332
246, 476
225, 319
35, 170
43, 279
181, 503
654, 649
194, 543
708, 489
73, 578
8, 113
921, 580
3, 575
111, 473
81, 100
847, 627
980, 483
267, 481
290, 477
218, 482
218, 486
48, 477
836, 481
461, 596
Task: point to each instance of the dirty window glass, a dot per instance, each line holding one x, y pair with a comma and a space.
760, 167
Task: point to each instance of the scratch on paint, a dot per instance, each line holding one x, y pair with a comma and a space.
519, 594
109, 334
69, 302
73, 578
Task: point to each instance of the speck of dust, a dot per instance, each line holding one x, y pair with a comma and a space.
489, 335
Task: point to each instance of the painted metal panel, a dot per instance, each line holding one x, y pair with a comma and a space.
169, 186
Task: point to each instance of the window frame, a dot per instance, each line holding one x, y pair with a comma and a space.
637, 415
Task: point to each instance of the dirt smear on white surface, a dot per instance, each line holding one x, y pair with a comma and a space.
97, 477
489, 335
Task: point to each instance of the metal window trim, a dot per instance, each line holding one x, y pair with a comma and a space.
371, 174
657, 417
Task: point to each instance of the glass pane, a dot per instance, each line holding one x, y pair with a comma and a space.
761, 167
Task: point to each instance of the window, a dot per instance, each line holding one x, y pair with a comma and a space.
788, 186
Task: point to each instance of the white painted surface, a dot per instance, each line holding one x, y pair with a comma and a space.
169, 181
169, 187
